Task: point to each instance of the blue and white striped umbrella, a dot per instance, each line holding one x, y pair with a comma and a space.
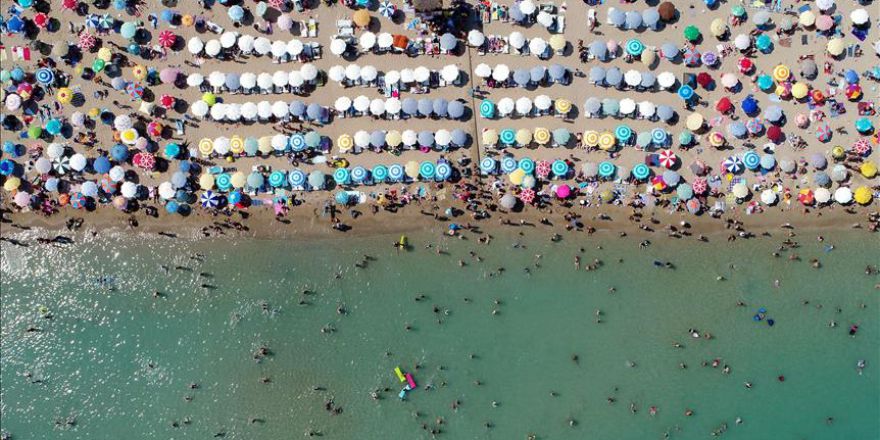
396, 172
210, 199
508, 164
358, 174
277, 178
559, 168
659, 136
527, 165
427, 170
45, 76
341, 176
297, 142
223, 182
751, 160
443, 171
380, 173
93, 21
296, 177
386, 8
487, 165
732, 164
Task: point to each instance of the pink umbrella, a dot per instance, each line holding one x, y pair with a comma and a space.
169, 75
87, 41
279, 208
144, 160
277, 4
22, 199
824, 22
167, 38
154, 129
563, 191
542, 169
700, 185
668, 158
802, 120
167, 101
861, 147
527, 195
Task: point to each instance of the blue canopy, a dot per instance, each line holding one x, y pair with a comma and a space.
426, 106
236, 13
521, 77
296, 108
119, 152
613, 76
316, 112
409, 106
440, 107
599, 50
597, 74
459, 137
750, 105
101, 165
537, 73
455, 109
616, 17
426, 138
377, 138
557, 72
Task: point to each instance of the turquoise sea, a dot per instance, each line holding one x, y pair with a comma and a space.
113, 361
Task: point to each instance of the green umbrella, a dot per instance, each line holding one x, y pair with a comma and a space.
691, 33
34, 131
685, 137
98, 65
738, 11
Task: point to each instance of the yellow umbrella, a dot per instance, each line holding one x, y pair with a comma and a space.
139, 72
648, 57
516, 176
490, 137
238, 179
64, 95
128, 136
344, 142
563, 106
12, 183
206, 146
393, 138
236, 144
411, 169
105, 54
523, 136
607, 140
799, 90
718, 27
591, 138
835, 46
557, 42
868, 169
837, 152
361, 18
542, 136
694, 122
807, 18
206, 181
187, 20
264, 144
863, 195
716, 139
94, 112
781, 72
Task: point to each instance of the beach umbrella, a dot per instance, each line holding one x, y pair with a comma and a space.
316, 179
559, 168
508, 164
507, 136
476, 38
863, 195
691, 33
616, 17
670, 178
623, 133
839, 173
427, 170
426, 138
868, 170
768, 161
236, 13
823, 132
606, 169
736, 129
667, 158
487, 165
409, 137
773, 113
396, 172
613, 77
781, 72
640, 171
843, 195
632, 78
864, 125
751, 160
412, 169
768, 197
561, 136
78, 200
732, 164
635, 47
393, 138
599, 50
541, 136
685, 92
740, 190
361, 139
597, 74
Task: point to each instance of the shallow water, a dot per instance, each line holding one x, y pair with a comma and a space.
121, 361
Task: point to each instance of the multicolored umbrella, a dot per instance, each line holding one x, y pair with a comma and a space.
862, 147
527, 195
78, 201
692, 57
823, 132
543, 169
700, 185
135, 89
755, 126
87, 41
144, 160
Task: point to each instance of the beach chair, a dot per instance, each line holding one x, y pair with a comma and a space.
313, 28
560, 24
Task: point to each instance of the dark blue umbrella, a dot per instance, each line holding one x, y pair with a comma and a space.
119, 153
750, 105
409, 106
101, 165
455, 109
426, 106
459, 137
441, 107
521, 77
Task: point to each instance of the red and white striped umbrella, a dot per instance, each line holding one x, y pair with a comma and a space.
144, 160
167, 38
527, 195
87, 41
668, 158
542, 169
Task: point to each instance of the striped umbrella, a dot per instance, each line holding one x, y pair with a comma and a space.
508, 164
427, 170
559, 168
443, 171
45, 76
606, 169
591, 138
210, 199
296, 178
341, 176
606, 141
206, 146
223, 182
380, 173
542, 169
396, 172
685, 92
700, 185
507, 136
667, 158
297, 142
751, 160
358, 174
527, 165
487, 165
641, 171
732, 164
635, 47
277, 178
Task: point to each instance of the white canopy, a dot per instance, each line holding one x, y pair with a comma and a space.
449, 73
501, 72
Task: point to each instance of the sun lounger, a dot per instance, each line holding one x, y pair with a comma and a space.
313, 28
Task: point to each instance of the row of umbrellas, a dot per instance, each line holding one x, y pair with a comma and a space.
522, 77
524, 137
614, 77
246, 44
424, 107
536, 46
250, 145
412, 170
634, 20
262, 110
523, 106
368, 74
526, 11
595, 107
442, 138
265, 81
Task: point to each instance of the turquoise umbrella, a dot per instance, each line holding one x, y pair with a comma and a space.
487, 109
53, 127
380, 173
641, 171
128, 29
251, 146
444, 171
864, 125
313, 139
358, 174
341, 176
172, 150
659, 136
223, 182
507, 136
635, 47
559, 168
684, 191
342, 198
765, 82
527, 165
763, 43
685, 137
296, 178
277, 178
686, 92
487, 165
427, 170
606, 169
751, 160
561, 136
623, 133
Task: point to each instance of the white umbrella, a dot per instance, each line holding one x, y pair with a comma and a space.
264, 110
822, 195
367, 40
527, 7
352, 72
199, 108
128, 189
483, 70
336, 73
768, 197
262, 46
309, 71
505, 106
195, 79
392, 77
369, 73
843, 195
195, 45
218, 111
264, 80
280, 109
632, 77
166, 191
537, 46
116, 173
43, 165
476, 38
859, 17
55, 150
517, 40
729, 80
824, 5
361, 103
343, 103
409, 137
217, 79
392, 106
279, 142
227, 39
212, 48
523, 105
362, 139
647, 109
627, 106
740, 190
449, 73
407, 76
279, 78
233, 112
543, 102
246, 44
501, 72
248, 80
385, 40
77, 162
442, 137
294, 48
421, 74
377, 107
249, 111
742, 41
221, 145
295, 78
545, 19
338, 47
279, 49
666, 79
122, 122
